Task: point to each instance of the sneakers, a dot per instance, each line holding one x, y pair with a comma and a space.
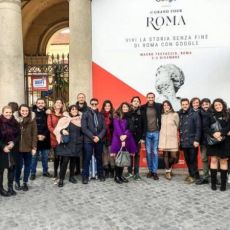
129, 176
136, 177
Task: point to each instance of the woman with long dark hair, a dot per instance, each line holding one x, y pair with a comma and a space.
9, 137
52, 120
219, 152
168, 142
108, 161
27, 144
122, 137
70, 126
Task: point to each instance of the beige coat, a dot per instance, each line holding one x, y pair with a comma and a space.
169, 132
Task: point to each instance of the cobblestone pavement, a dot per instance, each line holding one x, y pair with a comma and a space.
145, 204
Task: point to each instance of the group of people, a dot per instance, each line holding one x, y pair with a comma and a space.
77, 133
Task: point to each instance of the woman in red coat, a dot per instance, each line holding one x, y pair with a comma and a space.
52, 120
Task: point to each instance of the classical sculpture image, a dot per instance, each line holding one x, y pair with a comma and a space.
169, 78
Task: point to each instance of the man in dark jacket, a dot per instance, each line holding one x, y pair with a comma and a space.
151, 113
82, 107
205, 113
94, 129
136, 128
190, 135
43, 144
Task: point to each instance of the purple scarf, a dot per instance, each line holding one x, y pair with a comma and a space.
9, 129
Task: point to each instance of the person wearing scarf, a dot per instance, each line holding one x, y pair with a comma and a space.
94, 130
69, 125
27, 144
9, 136
108, 162
219, 152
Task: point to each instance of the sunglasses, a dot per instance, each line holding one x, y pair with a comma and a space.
94, 104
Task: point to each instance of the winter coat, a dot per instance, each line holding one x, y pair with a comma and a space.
88, 126
74, 147
41, 120
11, 126
136, 124
221, 149
52, 121
168, 140
205, 121
190, 128
121, 128
28, 127
158, 108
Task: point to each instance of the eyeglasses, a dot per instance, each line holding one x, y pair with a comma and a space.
94, 104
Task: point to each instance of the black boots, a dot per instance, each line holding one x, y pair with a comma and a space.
106, 171
3, 192
213, 178
223, 177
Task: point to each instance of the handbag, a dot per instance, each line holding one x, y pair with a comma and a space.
215, 127
123, 158
65, 139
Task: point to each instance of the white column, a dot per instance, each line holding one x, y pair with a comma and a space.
80, 53
11, 53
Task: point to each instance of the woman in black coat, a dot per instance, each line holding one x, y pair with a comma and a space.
9, 137
221, 151
70, 140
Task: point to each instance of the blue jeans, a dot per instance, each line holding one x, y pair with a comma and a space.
23, 158
151, 145
44, 153
96, 149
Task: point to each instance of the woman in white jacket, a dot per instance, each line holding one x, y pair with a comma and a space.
168, 142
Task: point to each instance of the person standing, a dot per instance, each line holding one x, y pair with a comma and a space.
9, 137
108, 161
137, 132
122, 137
169, 141
82, 107
52, 120
43, 144
94, 130
219, 152
205, 113
152, 123
70, 126
190, 134
27, 144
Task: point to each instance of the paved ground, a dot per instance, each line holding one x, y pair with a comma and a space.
145, 204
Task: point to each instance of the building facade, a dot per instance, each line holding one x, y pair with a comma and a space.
26, 27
